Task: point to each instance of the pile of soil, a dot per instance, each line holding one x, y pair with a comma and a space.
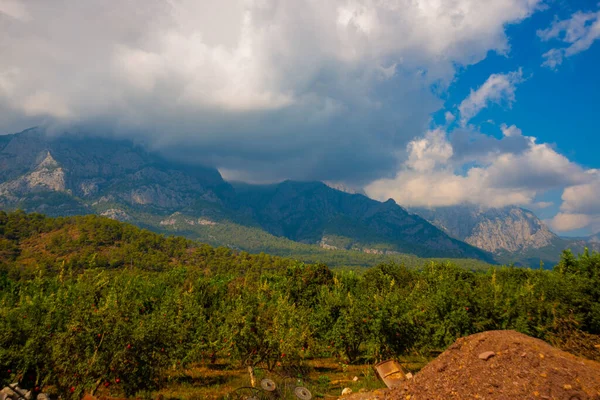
521, 367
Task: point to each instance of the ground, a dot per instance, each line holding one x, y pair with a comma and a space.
521, 368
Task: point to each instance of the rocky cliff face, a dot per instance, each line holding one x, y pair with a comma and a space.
98, 171
48, 175
512, 234
510, 229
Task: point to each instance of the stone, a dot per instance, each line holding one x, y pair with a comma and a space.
355, 379
346, 391
409, 376
486, 355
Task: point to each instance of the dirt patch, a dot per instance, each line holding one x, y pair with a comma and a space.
521, 367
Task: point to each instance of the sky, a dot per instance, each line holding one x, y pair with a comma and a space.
429, 102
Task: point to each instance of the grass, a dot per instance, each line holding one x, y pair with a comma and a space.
325, 378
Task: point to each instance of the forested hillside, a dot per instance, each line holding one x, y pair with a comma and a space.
89, 302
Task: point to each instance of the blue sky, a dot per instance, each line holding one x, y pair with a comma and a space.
558, 106
431, 102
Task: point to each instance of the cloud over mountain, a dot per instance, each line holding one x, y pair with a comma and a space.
448, 167
342, 91
275, 89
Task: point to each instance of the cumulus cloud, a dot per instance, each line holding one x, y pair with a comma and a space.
579, 32
450, 166
583, 198
279, 89
429, 153
580, 207
498, 88
565, 222
433, 175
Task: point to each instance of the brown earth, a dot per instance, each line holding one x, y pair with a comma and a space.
521, 368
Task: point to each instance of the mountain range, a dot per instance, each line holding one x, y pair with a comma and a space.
512, 234
73, 174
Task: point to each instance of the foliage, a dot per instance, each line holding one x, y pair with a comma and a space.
89, 302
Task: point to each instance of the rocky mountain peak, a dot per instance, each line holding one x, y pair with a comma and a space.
47, 175
48, 162
511, 229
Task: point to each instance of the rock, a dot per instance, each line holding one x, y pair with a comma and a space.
346, 391
409, 376
355, 379
511, 229
486, 355
116, 214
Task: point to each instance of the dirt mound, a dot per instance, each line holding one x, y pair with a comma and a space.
520, 367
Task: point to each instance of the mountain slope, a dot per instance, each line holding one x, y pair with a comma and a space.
512, 234
511, 229
73, 174
312, 212
98, 172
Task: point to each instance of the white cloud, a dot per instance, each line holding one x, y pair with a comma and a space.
538, 168
580, 32
510, 131
449, 117
583, 198
432, 177
498, 88
564, 222
464, 166
581, 205
237, 83
429, 153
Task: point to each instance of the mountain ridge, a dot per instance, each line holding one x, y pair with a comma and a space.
78, 175
513, 234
